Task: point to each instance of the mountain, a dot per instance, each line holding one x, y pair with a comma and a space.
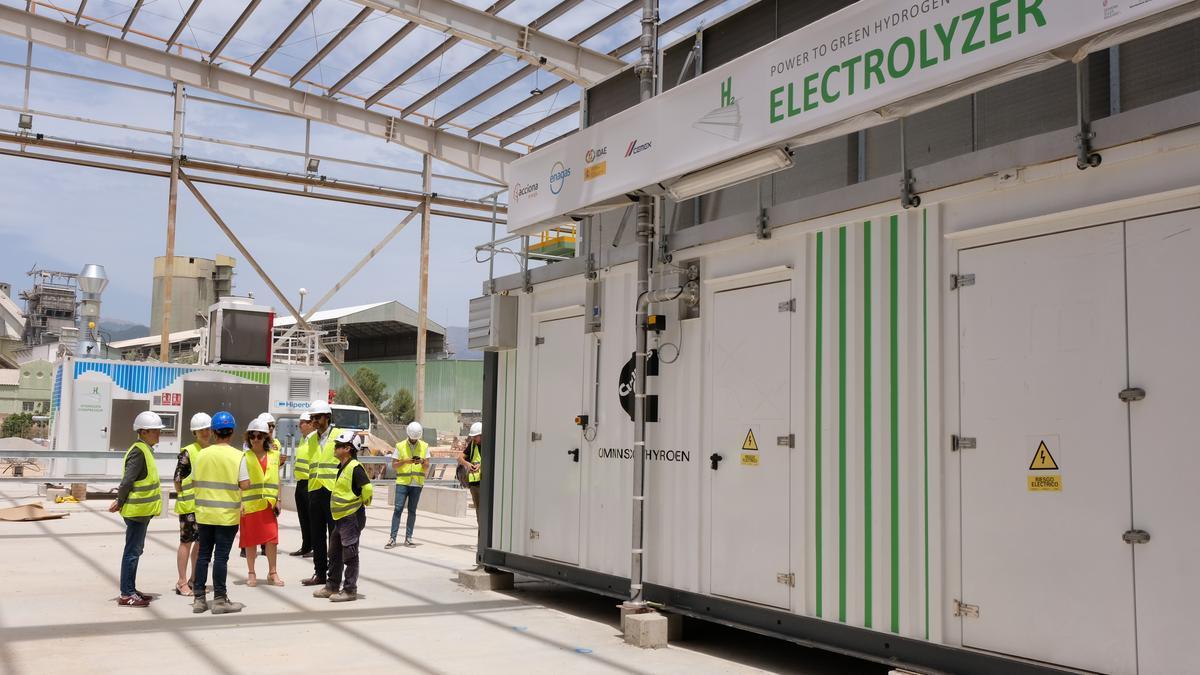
120, 329
456, 342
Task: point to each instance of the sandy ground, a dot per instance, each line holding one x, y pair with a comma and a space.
58, 585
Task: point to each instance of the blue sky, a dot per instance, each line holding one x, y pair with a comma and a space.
61, 217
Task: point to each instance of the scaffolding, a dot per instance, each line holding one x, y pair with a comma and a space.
49, 306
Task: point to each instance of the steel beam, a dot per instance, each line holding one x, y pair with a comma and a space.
423, 293
137, 7
187, 16
552, 14
372, 57
541, 124
79, 12
664, 27
237, 25
566, 60
332, 44
287, 33
424, 61
481, 158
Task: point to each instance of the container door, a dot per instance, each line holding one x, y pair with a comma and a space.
556, 456
1164, 335
749, 394
91, 425
1046, 490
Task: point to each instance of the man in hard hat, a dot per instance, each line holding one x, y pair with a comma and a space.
411, 463
352, 492
322, 474
185, 502
139, 498
300, 472
218, 510
471, 461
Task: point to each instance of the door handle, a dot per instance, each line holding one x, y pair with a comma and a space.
715, 459
574, 452
1136, 537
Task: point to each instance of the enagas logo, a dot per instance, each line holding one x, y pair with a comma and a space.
558, 177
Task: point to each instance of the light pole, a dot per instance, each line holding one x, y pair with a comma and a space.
303, 292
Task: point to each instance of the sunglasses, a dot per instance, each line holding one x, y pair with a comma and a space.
257, 435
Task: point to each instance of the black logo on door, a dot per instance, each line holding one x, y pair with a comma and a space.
627, 382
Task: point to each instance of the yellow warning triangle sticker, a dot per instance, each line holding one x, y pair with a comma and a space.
749, 443
1042, 459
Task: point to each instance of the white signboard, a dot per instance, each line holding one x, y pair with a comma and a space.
867, 56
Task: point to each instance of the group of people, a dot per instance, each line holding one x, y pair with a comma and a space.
223, 491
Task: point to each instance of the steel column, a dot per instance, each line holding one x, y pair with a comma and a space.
164, 349
423, 299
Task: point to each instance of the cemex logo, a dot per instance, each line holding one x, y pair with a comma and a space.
634, 148
519, 191
558, 177
727, 98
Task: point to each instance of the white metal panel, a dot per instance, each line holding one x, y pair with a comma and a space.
556, 455
1164, 333
1042, 340
749, 392
91, 418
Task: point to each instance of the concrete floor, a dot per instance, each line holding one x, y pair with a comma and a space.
58, 584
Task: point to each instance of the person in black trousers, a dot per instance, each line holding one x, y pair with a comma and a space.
307, 428
322, 472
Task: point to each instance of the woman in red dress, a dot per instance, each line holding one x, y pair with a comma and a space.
259, 480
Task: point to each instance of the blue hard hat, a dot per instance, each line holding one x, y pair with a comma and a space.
223, 421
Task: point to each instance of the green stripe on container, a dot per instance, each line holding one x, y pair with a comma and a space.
925, 389
894, 301
842, 424
868, 544
820, 309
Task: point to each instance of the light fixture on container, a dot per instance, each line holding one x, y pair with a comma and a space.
730, 173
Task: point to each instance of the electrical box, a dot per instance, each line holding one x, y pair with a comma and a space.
593, 306
240, 332
492, 323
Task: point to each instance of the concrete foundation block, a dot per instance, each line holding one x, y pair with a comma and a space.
52, 493
674, 621
647, 630
482, 580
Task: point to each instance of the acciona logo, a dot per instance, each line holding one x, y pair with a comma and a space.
519, 191
635, 147
558, 177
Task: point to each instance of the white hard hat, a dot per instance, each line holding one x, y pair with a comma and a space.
267, 417
350, 437
201, 421
414, 430
476, 429
258, 424
147, 420
305, 417
320, 407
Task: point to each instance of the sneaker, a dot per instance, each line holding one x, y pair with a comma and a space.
134, 600
143, 595
313, 581
323, 592
199, 605
409, 542
391, 543
343, 597
222, 605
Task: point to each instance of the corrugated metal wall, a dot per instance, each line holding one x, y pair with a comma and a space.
449, 385
871, 328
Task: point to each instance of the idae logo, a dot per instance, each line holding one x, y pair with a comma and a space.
559, 173
519, 192
595, 165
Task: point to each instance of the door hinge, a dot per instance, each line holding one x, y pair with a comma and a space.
958, 281
786, 578
965, 610
961, 443
1136, 537
535, 437
534, 534
788, 306
788, 441
539, 341
1132, 394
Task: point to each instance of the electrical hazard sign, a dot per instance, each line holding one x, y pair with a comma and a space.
1037, 480
749, 459
749, 443
1042, 459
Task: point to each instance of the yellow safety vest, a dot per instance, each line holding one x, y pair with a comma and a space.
264, 485
276, 445
322, 464
475, 459
185, 501
218, 497
145, 499
411, 474
300, 469
343, 502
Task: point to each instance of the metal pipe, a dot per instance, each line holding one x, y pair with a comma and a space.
645, 232
164, 348
492, 258
423, 290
